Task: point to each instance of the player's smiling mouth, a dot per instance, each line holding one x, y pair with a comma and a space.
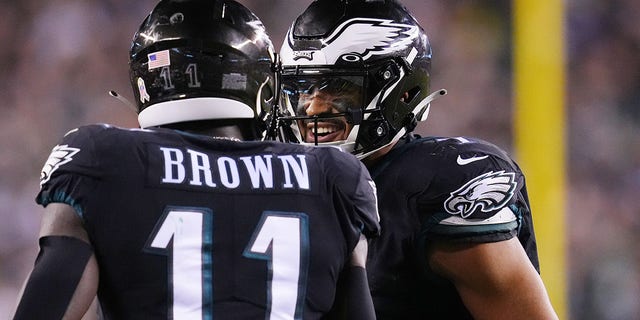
326, 132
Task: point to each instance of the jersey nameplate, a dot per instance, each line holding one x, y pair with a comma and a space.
192, 168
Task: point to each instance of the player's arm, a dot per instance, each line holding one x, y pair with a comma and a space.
353, 299
495, 280
64, 279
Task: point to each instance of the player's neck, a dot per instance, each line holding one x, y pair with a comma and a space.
224, 132
233, 129
375, 157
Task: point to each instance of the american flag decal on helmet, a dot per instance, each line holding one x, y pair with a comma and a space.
159, 59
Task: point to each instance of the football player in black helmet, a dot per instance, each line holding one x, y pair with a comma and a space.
187, 66
457, 236
186, 217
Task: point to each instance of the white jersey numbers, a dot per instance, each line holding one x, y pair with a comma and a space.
189, 256
185, 235
283, 240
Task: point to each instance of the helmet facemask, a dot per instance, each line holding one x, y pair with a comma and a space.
331, 106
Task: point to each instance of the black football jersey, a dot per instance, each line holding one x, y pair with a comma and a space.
440, 189
192, 227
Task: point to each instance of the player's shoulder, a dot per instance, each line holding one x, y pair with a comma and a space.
94, 131
475, 182
103, 135
107, 130
332, 161
334, 157
447, 146
452, 154
448, 165
328, 155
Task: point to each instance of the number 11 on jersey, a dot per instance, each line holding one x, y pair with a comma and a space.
280, 238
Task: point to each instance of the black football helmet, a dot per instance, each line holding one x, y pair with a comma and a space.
374, 47
201, 60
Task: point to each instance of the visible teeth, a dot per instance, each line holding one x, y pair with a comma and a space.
324, 130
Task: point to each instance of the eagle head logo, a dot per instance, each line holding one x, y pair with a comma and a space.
487, 192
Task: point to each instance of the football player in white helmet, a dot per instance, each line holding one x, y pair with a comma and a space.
457, 236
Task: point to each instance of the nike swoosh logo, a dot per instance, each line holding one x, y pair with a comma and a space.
463, 162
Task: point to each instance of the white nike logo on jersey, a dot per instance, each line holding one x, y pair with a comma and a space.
463, 162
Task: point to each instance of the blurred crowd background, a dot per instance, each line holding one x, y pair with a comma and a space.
59, 58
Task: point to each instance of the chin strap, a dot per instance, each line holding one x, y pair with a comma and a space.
124, 101
272, 118
421, 112
422, 109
